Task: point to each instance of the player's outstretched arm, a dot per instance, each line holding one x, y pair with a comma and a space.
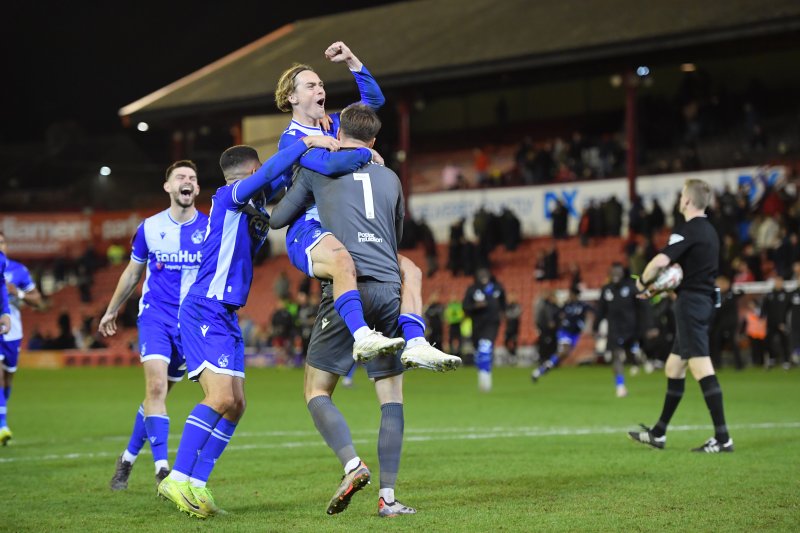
270, 176
368, 88
334, 164
125, 286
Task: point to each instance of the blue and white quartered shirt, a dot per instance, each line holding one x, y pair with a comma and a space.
237, 228
173, 252
17, 274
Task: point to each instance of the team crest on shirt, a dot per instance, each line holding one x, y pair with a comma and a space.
624, 292
198, 236
223, 361
608, 295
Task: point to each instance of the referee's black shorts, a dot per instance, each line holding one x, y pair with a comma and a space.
693, 312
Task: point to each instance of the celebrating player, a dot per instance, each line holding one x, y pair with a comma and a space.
364, 210
315, 251
166, 246
5, 327
210, 333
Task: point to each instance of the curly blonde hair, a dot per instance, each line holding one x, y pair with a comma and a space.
285, 86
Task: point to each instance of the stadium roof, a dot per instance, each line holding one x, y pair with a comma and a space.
409, 43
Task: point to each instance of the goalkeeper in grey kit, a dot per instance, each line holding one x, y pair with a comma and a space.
695, 247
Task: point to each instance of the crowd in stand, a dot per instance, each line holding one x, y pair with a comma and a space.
759, 228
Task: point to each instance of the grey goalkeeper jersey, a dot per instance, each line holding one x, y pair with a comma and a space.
364, 210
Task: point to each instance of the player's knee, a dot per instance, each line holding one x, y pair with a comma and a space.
237, 408
221, 402
156, 388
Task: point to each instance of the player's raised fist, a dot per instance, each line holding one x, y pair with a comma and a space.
338, 52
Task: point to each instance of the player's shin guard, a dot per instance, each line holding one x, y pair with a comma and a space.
157, 427
483, 361
483, 357
331, 425
713, 396
390, 443
196, 432
350, 308
413, 326
211, 451
672, 398
139, 435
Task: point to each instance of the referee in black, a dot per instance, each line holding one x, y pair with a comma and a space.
695, 247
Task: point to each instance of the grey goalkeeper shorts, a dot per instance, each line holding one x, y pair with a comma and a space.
331, 344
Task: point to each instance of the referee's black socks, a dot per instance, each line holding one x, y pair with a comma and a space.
671, 400
713, 396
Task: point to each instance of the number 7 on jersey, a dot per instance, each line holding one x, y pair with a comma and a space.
366, 183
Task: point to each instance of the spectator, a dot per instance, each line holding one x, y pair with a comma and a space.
306, 316
84, 279
429, 245
511, 229
481, 162
612, 217
559, 216
282, 326
65, 339
281, 286
454, 315
775, 308
585, 226
37, 341
512, 314
551, 263
546, 313
725, 325
451, 177
434, 317
115, 254
756, 331
656, 217
456, 247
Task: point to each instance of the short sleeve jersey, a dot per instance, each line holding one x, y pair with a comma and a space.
695, 247
172, 251
236, 231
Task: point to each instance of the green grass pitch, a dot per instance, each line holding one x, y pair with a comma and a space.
546, 457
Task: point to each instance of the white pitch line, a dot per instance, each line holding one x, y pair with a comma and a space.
434, 434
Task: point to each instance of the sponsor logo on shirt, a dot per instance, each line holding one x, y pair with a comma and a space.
177, 260
324, 323
368, 237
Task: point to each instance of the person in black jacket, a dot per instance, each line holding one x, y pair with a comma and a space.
546, 312
775, 308
726, 324
485, 303
619, 305
695, 247
794, 317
